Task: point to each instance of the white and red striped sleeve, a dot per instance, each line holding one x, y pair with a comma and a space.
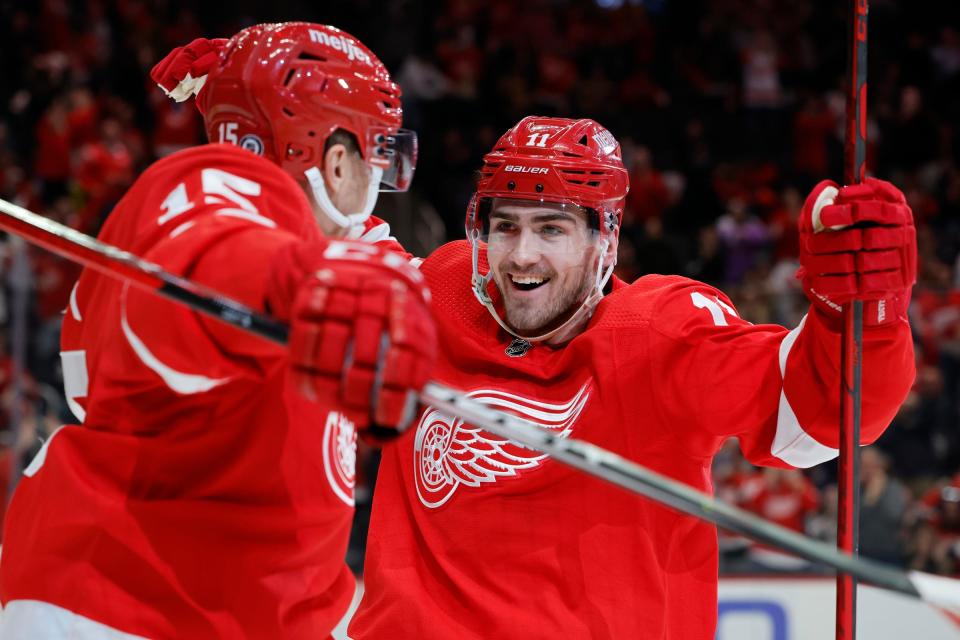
775, 388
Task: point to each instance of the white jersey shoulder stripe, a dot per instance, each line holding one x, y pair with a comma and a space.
792, 443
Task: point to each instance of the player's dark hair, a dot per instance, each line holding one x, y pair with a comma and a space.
344, 137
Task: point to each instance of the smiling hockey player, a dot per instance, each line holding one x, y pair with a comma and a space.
473, 536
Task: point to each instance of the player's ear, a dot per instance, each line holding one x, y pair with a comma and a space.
611, 257
336, 168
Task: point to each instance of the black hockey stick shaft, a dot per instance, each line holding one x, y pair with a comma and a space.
851, 337
117, 263
588, 458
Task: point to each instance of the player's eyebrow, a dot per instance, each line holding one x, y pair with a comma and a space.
539, 217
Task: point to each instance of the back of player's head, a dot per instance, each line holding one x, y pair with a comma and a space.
555, 160
281, 90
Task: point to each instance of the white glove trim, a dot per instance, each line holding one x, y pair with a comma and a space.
827, 197
186, 88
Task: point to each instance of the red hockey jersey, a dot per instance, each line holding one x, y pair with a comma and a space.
201, 497
473, 536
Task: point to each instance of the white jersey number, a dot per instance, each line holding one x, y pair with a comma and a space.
715, 306
219, 188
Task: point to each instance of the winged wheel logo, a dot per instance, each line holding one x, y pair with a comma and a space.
449, 454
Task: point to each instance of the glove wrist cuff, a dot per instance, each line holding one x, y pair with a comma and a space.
290, 266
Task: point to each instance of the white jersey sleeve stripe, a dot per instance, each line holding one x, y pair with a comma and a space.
252, 216
791, 443
178, 381
37, 619
74, 307
37, 463
75, 380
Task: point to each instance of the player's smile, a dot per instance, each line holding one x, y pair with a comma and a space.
527, 283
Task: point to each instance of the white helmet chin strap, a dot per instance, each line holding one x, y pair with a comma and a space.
586, 307
347, 221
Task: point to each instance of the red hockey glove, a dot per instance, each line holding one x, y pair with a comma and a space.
858, 243
360, 329
183, 72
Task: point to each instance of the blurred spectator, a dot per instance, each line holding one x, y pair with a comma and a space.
813, 127
744, 237
104, 170
84, 117
785, 497
177, 126
946, 54
936, 545
656, 252
52, 159
709, 265
761, 72
786, 299
883, 504
784, 224
911, 139
823, 525
648, 197
941, 506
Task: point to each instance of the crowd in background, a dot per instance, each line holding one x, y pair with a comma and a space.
728, 112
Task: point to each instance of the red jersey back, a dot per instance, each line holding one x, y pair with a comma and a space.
201, 497
473, 536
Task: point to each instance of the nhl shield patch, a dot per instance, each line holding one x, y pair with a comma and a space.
518, 348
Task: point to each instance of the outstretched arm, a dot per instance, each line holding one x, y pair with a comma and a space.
777, 389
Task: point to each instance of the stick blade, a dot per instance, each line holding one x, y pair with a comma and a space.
938, 591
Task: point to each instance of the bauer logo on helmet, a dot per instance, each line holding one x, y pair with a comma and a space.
517, 168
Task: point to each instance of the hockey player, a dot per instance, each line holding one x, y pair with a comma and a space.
182, 74
209, 491
473, 536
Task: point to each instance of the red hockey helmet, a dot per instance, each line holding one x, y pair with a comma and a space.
561, 163
554, 160
280, 90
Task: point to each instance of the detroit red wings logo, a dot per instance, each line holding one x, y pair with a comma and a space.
340, 455
448, 453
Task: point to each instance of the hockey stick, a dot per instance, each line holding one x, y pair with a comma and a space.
585, 457
851, 336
